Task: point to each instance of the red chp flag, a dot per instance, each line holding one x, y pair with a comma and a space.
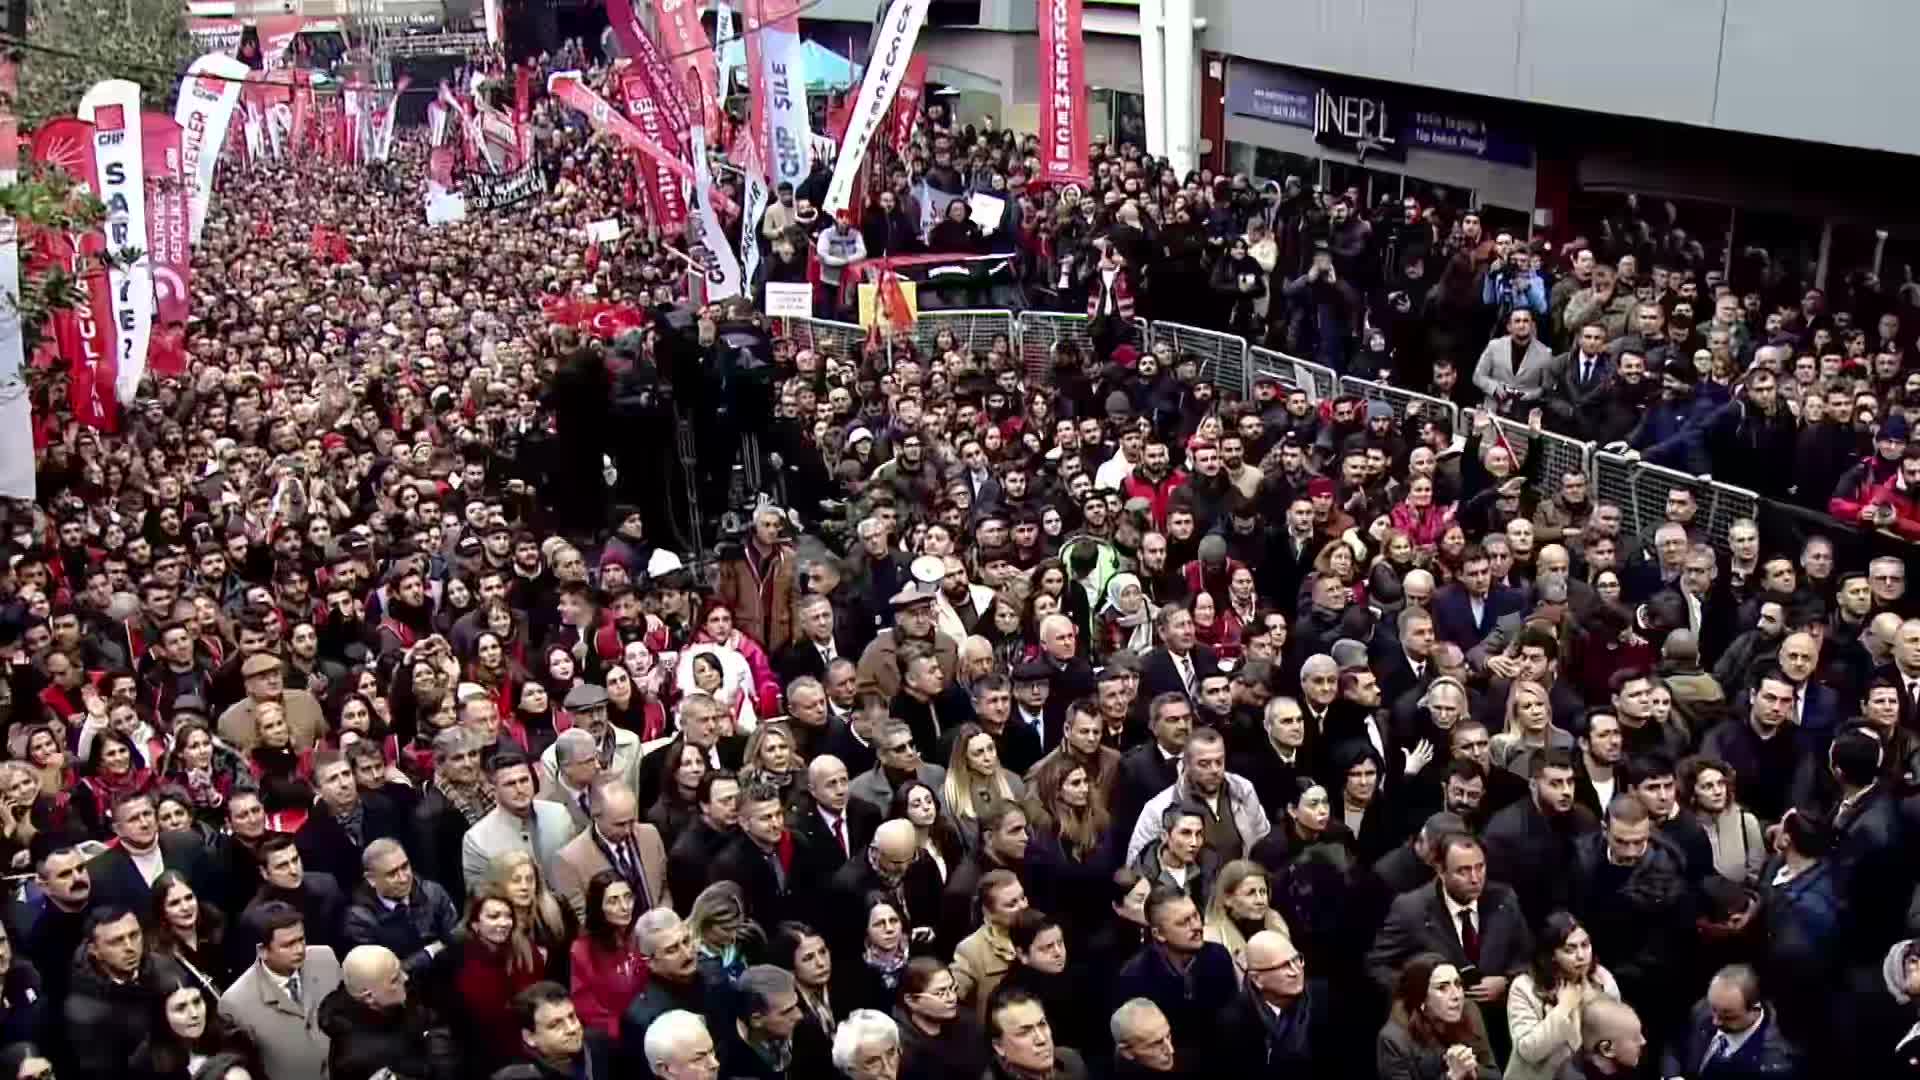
1063, 94
567, 88
906, 105
685, 41
169, 217
84, 333
666, 202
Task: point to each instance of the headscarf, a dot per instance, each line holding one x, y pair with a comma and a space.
1138, 624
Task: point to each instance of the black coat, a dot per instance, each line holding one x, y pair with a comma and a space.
1160, 675
595, 1063
326, 848
1640, 920
105, 1021
769, 899
437, 832
1419, 922
817, 855
1193, 1001
1534, 855
1766, 1053
934, 719
690, 862
1066, 685
1302, 1042
117, 881
428, 917
659, 998
365, 1040
1144, 772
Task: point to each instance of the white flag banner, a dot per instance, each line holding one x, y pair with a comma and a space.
783, 62
208, 96
112, 106
886, 70
723, 267
755, 205
436, 123
254, 126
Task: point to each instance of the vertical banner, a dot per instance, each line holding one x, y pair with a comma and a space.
167, 216
436, 123
1063, 94
685, 41
207, 98
906, 105
723, 268
83, 333
723, 32
776, 66
383, 138
670, 94
886, 70
302, 110
755, 206
113, 107
523, 112
666, 200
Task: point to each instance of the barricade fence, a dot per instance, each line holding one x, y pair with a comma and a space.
1400, 399
1638, 488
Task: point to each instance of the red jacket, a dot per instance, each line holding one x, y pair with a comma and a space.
1906, 507
604, 983
1134, 485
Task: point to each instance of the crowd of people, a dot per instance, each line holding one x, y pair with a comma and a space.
1113, 726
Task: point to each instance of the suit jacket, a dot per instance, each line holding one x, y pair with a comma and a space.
1144, 773
653, 766
287, 1033
1279, 574
1453, 614
326, 848
1418, 921
802, 657
117, 881
816, 854
1064, 687
1766, 1053
499, 832
1159, 675
551, 791
769, 898
575, 865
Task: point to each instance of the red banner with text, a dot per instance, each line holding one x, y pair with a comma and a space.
1063, 94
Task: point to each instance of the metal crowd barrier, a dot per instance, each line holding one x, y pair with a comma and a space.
1039, 334
1223, 357
974, 329
843, 340
1317, 380
1640, 490
1399, 399
1560, 454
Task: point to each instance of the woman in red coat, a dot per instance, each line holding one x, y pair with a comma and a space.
608, 970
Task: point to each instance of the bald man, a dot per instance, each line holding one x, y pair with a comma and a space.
883, 868
829, 828
1280, 1017
1612, 1040
376, 1022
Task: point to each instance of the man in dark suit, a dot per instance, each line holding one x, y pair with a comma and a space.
701, 842
828, 828
761, 859
821, 640
1405, 663
927, 701
699, 717
1180, 662
1017, 742
1579, 382
1068, 675
123, 875
1732, 1035
1466, 611
1151, 768
1473, 922
1290, 554
343, 822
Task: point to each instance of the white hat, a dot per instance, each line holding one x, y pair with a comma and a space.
663, 562
858, 434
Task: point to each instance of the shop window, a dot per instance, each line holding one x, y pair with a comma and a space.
1118, 116
1263, 163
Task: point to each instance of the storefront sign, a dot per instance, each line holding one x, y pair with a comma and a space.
1370, 118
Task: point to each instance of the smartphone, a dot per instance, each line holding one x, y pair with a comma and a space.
1469, 976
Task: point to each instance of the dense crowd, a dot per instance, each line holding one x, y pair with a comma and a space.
359, 724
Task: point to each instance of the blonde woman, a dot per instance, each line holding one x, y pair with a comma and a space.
975, 782
723, 933
770, 758
1530, 728
1239, 907
539, 918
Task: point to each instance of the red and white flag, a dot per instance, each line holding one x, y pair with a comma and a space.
84, 333
685, 41
666, 200
119, 180
776, 71
1063, 94
571, 92
207, 98
906, 105
167, 215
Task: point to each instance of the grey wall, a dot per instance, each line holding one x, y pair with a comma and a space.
1833, 71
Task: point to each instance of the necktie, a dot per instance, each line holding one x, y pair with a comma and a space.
1586, 369
293, 987
840, 833
1717, 1049
1469, 937
1186, 672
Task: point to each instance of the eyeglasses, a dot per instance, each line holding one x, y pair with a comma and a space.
1293, 964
